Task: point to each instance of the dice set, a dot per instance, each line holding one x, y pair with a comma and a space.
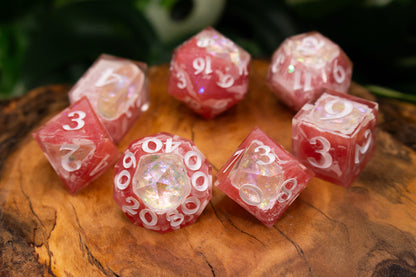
163, 182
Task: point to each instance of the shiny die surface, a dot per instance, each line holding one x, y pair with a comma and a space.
303, 65
335, 136
118, 91
162, 182
209, 73
77, 145
262, 177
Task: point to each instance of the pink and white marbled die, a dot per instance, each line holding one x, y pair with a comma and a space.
305, 64
262, 177
209, 73
118, 91
335, 136
77, 145
162, 182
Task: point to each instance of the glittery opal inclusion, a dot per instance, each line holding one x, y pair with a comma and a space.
335, 136
162, 182
262, 177
209, 73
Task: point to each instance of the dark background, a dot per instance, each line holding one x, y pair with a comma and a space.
46, 42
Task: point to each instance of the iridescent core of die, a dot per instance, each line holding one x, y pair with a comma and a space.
118, 91
160, 181
337, 114
267, 177
314, 51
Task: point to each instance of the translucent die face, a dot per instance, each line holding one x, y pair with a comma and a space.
338, 114
257, 179
161, 181
313, 50
117, 90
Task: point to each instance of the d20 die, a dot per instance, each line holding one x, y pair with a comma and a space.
162, 182
335, 136
209, 73
305, 63
118, 91
262, 177
77, 145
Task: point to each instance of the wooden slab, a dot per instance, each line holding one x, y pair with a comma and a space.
367, 230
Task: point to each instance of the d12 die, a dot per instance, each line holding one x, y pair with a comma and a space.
305, 63
162, 182
77, 145
335, 136
209, 73
263, 177
118, 91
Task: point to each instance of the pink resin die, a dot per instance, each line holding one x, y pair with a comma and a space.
209, 73
162, 182
77, 145
303, 65
262, 177
335, 136
118, 91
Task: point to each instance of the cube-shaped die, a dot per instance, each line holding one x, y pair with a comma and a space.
209, 73
305, 63
335, 136
262, 177
77, 145
117, 89
162, 182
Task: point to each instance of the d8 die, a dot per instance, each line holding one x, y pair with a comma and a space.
209, 73
162, 182
335, 136
262, 177
305, 63
77, 145
118, 91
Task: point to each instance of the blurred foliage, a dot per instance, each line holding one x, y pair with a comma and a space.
55, 41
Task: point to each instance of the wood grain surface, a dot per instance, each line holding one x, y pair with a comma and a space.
366, 230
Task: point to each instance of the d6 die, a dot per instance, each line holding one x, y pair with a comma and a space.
262, 177
77, 145
335, 136
162, 182
305, 63
209, 73
118, 91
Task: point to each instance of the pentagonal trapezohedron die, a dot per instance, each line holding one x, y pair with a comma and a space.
305, 64
77, 145
118, 91
209, 73
262, 177
335, 136
162, 182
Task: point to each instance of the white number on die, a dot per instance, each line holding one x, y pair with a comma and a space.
339, 73
310, 45
108, 77
236, 155
364, 148
133, 207
286, 193
175, 218
326, 160
267, 153
347, 108
307, 82
66, 160
248, 189
202, 65
182, 81
79, 120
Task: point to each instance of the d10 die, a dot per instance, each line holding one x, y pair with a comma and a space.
305, 63
118, 91
335, 137
209, 73
263, 177
162, 182
77, 145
